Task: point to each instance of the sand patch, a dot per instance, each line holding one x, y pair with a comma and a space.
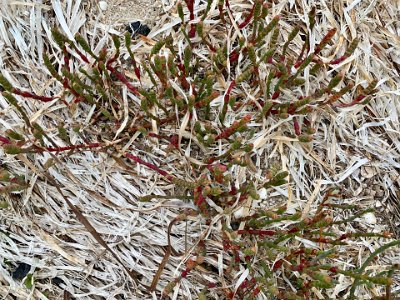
120, 12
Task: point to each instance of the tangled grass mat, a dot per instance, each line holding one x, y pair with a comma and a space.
137, 221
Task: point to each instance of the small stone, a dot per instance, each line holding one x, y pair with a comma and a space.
103, 5
380, 193
21, 271
291, 210
137, 27
57, 281
370, 218
368, 172
239, 213
235, 225
262, 193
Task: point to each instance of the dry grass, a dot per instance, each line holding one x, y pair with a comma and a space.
356, 147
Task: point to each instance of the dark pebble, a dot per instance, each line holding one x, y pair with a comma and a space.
137, 27
21, 271
235, 225
57, 281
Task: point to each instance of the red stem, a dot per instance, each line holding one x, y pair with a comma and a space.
123, 79
257, 232
226, 97
67, 148
354, 102
81, 55
4, 140
325, 40
248, 18
339, 60
199, 197
33, 96
275, 95
296, 127
231, 130
234, 56
149, 165
190, 5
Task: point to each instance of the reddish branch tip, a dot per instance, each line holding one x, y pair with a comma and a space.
4, 140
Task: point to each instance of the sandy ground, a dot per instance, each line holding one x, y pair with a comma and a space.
118, 12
